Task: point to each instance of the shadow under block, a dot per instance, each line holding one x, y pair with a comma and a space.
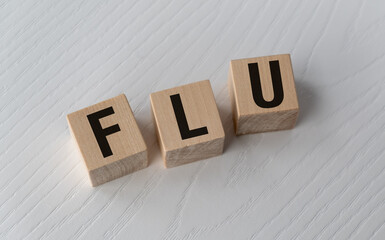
109, 139
263, 95
187, 123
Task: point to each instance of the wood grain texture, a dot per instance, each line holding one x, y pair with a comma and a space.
278, 111
324, 179
110, 142
196, 103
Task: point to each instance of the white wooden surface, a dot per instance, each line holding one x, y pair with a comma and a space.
325, 179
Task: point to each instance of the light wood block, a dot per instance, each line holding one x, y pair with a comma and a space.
109, 139
187, 123
263, 95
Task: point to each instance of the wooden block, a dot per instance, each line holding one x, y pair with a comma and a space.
263, 95
187, 123
109, 139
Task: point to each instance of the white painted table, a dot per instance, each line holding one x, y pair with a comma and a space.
323, 179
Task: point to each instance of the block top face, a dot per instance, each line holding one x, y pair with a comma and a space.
200, 110
263, 69
123, 141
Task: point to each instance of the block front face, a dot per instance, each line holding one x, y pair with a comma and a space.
263, 94
188, 124
109, 139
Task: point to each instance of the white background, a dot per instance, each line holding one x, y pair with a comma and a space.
323, 179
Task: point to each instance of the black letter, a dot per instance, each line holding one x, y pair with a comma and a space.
184, 130
101, 133
257, 88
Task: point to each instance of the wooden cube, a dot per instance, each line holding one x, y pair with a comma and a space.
187, 123
109, 139
263, 95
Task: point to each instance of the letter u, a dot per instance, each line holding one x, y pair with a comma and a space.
256, 86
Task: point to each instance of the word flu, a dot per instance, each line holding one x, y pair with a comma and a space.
187, 122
